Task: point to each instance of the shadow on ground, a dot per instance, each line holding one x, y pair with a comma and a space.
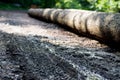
30, 58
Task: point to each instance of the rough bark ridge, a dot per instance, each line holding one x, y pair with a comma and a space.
99, 25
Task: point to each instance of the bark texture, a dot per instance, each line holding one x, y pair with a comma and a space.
99, 25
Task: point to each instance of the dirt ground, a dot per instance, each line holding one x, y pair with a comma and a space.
31, 49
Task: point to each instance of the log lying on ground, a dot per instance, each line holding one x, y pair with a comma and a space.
99, 25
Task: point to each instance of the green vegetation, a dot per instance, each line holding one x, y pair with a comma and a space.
105, 5
8, 6
98, 5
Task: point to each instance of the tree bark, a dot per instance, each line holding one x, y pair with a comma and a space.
102, 26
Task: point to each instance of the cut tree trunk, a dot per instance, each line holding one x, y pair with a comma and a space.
102, 26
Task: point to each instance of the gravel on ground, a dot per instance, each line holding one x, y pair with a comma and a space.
35, 50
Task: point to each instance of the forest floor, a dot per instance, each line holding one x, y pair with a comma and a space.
31, 49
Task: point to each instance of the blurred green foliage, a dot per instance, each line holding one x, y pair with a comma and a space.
9, 6
68, 4
105, 5
98, 5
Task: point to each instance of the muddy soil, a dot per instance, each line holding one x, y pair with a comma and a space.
31, 49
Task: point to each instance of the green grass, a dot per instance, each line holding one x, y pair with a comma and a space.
8, 6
